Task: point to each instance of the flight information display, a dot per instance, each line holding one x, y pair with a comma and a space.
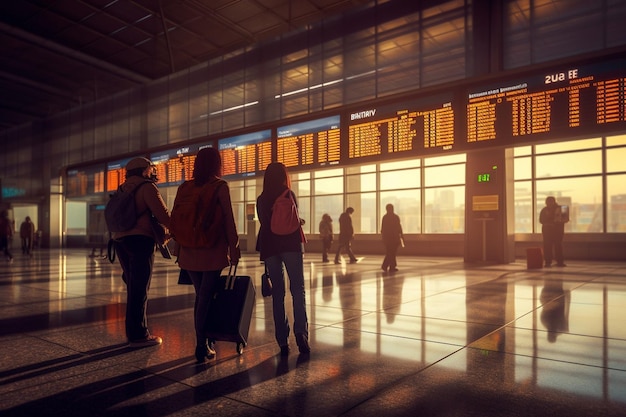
85, 181
247, 154
414, 128
116, 174
176, 165
309, 144
573, 100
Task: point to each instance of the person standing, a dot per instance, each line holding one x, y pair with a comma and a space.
346, 234
27, 234
280, 252
6, 233
391, 231
326, 235
552, 229
135, 249
205, 264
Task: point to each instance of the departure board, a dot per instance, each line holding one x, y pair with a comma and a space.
247, 154
116, 174
417, 127
310, 144
176, 165
564, 102
85, 181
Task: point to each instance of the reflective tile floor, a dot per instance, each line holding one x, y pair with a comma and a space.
437, 338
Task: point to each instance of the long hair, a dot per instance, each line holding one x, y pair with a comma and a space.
276, 180
208, 164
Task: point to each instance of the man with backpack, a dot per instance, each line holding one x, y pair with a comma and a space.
135, 248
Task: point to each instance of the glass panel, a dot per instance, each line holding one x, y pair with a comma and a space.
444, 175
331, 205
444, 160
364, 216
360, 169
328, 186
411, 163
616, 140
569, 146
368, 182
523, 207
616, 160
304, 210
522, 168
577, 163
394, 180
328, 173
406, 205
444, 210
522, 150
301, 187
616, 211
582, 195
76, 218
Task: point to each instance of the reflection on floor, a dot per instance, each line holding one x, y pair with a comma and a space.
437, 338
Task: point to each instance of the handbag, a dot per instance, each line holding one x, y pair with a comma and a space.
183, 278
266, 284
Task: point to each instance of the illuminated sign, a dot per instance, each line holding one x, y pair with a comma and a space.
176, 165
247, 154
309, 144
84, 181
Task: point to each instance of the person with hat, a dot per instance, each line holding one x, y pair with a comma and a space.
135, 248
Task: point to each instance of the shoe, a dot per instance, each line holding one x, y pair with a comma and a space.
204, 352
548, 264
337, 262
145, 342
393, 270
284, 350
302, 340
354, 261
383, 268
561, 264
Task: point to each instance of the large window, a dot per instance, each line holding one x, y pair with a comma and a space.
585, 175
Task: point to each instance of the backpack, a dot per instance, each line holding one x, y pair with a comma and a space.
285, 219
196, 220
120, 213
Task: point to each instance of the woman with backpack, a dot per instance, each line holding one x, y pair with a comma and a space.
280, 252
204, 262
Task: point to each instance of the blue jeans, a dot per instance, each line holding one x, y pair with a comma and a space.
136, 256
294, 264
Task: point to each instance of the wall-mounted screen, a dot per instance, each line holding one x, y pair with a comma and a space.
315, 143
247, 154
116, 173
564, 102
84, 181
176, 165
416, 127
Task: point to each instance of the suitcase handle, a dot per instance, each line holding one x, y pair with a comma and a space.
230, 278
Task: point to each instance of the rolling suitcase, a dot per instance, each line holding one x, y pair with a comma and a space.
230, 311
534, 258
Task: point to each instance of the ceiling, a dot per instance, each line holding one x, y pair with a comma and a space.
57, 54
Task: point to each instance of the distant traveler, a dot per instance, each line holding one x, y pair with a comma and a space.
135, 249
391, 232
205, 264
552, 229
346, 234
326, 235
6, 233
280, 252
27, 234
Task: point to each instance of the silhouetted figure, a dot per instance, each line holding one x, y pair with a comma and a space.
6, 233
326, 235
27, 234
554, 313
346, 234
552, 229
391, 231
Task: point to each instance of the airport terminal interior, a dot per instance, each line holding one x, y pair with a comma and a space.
439, 337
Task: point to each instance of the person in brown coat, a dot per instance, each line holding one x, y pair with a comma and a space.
204, 265
135, 249
27, 234
391, 231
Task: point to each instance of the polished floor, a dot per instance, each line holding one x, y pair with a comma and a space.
437, 338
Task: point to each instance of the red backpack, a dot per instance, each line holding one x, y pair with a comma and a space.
197, 220
285, 219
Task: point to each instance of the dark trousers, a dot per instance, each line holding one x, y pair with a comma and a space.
205, 284
4, 246
326, 243
27, 245
136, 256
391, 250
552, 244
347, 245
